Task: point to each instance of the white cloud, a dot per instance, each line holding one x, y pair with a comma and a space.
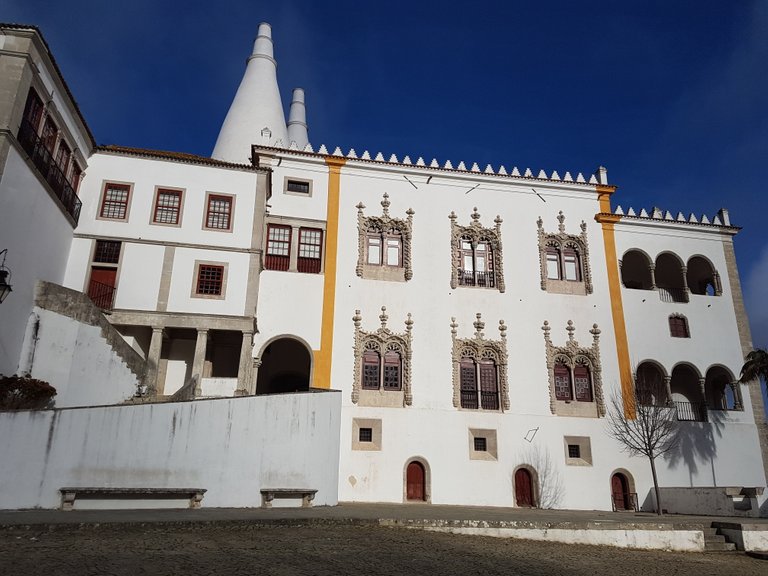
756, 299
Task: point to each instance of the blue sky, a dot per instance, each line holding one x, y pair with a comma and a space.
671, 96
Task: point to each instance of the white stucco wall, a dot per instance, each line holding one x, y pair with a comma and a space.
37, 235
76, 359
232, 447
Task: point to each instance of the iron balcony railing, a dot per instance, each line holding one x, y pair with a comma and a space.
691, 411
488, 400
43, 161
103, 295
667, 294
472, 278
624, 501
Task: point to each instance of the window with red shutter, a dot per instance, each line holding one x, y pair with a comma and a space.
392, 371
33, 110
371, 367
489, 389
278, 256
310, 250
167, 206
468, 379
563, 382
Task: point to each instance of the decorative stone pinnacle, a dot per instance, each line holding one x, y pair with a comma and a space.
561, 219
497, 220
583, 226
503, 328
360, 207
454, 326
409, 322
479, 325
571, 329
475, 216
595, 332
357, 318
452, 215
546, 327
385, 204
410, 212
383, 317
540, 223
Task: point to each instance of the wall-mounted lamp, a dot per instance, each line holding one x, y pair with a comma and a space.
5, 274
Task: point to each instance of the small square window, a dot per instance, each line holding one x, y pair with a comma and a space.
366, 435
481, 445
210, 280
106, 252
574, 451
297, 186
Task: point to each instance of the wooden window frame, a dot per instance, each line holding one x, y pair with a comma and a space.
310, 264
563, 370
678, 327
50, 138
210, 198
110, 185
107, 252
392, 360
371, 359
475, 395
37, 117
474, 277
156, 207
199, 266
278, 262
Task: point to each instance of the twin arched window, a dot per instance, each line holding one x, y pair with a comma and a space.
476, 264
378, 374
573, 383
479, 384
563, 264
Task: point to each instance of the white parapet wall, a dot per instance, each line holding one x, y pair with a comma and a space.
232, 447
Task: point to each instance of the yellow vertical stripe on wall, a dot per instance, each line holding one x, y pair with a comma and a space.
607, 220
321, 376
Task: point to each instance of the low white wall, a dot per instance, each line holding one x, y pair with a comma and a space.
711, 501
232, 447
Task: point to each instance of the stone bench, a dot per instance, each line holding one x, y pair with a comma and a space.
269, 494
69, 495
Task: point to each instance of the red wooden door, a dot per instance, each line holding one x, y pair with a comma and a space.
619, 489
415, 481
101, 288
523, 488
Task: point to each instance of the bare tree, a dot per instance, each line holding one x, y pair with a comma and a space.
551, 489
644, 427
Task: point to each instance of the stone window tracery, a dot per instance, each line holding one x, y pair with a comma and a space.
575, 384
476, 256
564, 259
384, 244
480, 369
382, 364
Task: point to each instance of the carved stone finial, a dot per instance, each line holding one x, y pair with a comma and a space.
546, 327
452, 216
595, 333
498, 221
479, 325
410, 212
360, 207
409, 323
357, 318
385, 204
475, 216
502, 329
383, 317
540, 223
454, 326
583, 226
571, 329
561, 220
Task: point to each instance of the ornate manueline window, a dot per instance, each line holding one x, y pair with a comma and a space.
564, 259
476, 254
382, 364
384, 244
480, 369
575, 386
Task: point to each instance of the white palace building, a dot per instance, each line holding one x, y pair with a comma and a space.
285, 322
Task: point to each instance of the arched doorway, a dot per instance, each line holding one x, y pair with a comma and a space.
415, 482
524, 488
620, 495
285, 367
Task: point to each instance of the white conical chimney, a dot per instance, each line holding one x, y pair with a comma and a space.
297, 120
256, 115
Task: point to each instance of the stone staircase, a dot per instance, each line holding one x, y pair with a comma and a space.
716, 542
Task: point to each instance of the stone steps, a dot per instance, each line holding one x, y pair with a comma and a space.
714, 542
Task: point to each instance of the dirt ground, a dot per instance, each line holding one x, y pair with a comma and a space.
331, 550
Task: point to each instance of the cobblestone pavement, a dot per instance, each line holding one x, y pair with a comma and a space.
210, 549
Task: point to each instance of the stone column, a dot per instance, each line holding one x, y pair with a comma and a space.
198, 364
703, 388
737, 405
246, 365
668, 389
293, 264
254, 376
652, 270
686, 290
153, 361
